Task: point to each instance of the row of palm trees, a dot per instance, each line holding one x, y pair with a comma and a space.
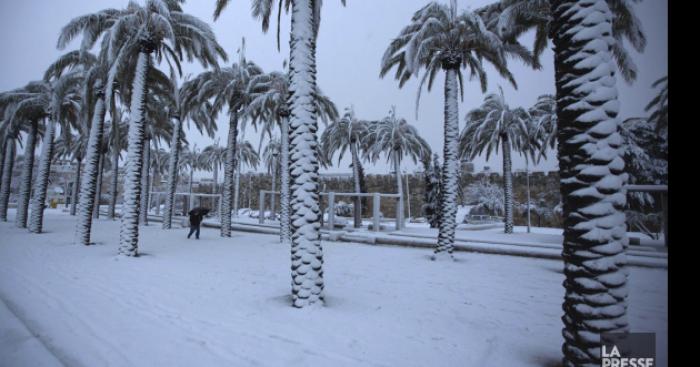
588, 37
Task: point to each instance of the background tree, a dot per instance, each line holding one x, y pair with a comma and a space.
342, 135
395, 138
440, 37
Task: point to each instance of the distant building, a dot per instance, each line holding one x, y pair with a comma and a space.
467, 167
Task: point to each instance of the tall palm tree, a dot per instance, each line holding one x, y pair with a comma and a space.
30, 115
491, 125
268, 103
343, 134
226, 88
307, 253
10, 138
60, 99
247, 155
214, 157
396, 138
511, 19
592, 173
440, 37
136, 32
117, 137
271, 157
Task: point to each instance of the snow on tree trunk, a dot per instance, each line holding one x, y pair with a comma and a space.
8, 166
190, 199
285, 229
229, 166
98, 192
129, 230
36, 219
114, 184
25, 185
273, 188
88, 189
507, 184
76, 187
356, 179
172, 172
592, 174
237, 186
145, 182
399, 190
307, 253
215, 172
449, 184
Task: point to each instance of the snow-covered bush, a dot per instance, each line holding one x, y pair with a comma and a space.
486, 197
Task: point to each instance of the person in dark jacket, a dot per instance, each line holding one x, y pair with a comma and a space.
196, 217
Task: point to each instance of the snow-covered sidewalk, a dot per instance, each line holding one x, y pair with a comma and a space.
224, 302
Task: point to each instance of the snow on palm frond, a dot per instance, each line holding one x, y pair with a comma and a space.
439, 35
510, 19
340, 135
395, 138
659, 105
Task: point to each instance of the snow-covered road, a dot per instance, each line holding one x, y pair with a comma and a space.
224, 302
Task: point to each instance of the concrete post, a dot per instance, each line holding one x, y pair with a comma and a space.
376, 199
261, 217
331, 210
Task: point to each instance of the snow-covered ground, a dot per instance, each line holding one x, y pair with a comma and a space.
225, 302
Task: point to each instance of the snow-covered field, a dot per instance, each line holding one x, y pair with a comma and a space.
225, 302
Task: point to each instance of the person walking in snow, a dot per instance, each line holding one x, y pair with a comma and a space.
196, 217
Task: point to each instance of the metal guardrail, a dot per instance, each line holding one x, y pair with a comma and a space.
376, 202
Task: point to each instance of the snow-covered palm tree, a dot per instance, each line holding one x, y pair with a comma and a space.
117, 137
17, 114
511, 19
29, 115
136, 32
10, 131
214, 156
395, 138
307, 253
592, 172
494, 124
271, 158
347, 134
440, 37
268, 104
544, 117
60, 99
226, 88
246, 154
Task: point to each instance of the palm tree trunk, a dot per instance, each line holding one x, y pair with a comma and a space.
285, 229
507, 183
237, 187
36, 221
10, 153
399, 190
227, 195
356, 178
145, 177
190, 199
592, 175
273, 188
449, 184
527, 184
172, 173
98, 191
89, 186
76, 186
129, 230
114, 184
25, 189
307, 253
216, 177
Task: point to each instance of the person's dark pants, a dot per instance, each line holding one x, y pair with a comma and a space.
194, 228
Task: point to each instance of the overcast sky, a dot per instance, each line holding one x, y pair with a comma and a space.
351, 43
